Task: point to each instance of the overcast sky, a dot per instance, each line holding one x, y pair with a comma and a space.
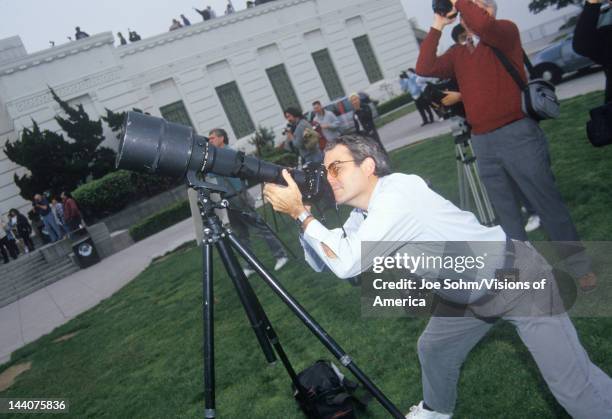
39, 21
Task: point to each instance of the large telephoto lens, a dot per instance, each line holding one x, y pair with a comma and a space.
153, 145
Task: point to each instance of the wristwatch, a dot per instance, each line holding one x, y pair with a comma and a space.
302, 217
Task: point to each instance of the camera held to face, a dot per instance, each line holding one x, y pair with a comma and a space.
442, 7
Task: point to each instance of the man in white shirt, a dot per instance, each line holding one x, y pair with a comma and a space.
401, 208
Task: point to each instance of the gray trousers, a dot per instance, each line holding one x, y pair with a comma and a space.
516, 158
583, 389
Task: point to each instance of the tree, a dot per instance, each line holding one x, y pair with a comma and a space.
55, 164
536, 6
44, 154
87, 135
115, 121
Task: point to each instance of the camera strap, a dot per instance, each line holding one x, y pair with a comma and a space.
539, 100
512, 70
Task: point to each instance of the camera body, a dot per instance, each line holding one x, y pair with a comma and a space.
442, 7
288, 128
434, 93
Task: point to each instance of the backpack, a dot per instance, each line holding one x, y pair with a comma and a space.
312, 139
326, 394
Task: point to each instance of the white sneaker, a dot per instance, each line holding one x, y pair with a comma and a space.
419, 412
248, 272
533, 223
280, 263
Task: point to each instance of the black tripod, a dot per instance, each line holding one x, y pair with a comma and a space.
226, 243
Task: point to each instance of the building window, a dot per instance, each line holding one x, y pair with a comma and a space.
328, 74
366, 54
177, 113
235, 109
282, 87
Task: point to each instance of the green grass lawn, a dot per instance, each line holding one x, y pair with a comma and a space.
139, 353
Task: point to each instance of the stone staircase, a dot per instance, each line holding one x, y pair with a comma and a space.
52, 262
35, 270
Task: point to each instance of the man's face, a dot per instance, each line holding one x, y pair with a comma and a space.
216, 140
490, 10
37, 198
290, 118
351, 180
317, 108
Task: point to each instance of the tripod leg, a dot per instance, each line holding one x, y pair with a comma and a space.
209, 347
246, 294
314, 327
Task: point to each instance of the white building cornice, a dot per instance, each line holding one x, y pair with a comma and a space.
198, 28
57, 53
66, 91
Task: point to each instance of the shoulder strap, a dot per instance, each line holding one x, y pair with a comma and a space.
528, 64
510, 68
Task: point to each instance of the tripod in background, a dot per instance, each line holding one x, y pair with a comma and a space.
472, 192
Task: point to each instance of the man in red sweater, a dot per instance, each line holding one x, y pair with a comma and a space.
511, 148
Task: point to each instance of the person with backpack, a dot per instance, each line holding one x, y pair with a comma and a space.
306, 146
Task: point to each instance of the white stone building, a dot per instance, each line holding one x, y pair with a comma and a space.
235, 72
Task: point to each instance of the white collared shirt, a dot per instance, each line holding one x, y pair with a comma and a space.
402, 208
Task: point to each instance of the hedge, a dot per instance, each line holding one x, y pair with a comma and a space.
161, 220
105, 196
394, 103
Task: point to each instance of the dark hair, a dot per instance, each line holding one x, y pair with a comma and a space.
316, 102
412, 70
457, 31
293, 111
362, 147
66, 194
220, 132
14, 211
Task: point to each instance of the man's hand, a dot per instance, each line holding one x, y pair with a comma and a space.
285, 199
441, 21
451, 98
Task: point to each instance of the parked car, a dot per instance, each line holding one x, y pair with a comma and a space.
558, 59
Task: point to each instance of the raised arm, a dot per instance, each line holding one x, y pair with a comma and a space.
585, 35
501, 34
429, 64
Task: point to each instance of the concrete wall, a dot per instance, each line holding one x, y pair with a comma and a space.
136, 213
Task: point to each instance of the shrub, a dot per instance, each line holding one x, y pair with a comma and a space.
105, 196
161, 220
394, 103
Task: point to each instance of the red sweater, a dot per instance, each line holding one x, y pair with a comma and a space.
490, 95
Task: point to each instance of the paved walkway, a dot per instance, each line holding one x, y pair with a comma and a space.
39, 313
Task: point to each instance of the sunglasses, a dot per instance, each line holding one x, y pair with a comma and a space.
334, 168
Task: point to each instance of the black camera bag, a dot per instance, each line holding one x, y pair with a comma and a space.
325, 393
599, 128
